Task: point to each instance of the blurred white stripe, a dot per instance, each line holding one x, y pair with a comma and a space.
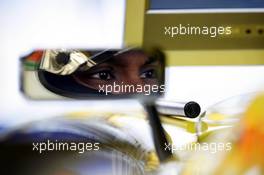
211, 84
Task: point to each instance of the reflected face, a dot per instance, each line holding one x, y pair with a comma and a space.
129, 68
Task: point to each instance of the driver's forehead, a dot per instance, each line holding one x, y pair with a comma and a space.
134, 58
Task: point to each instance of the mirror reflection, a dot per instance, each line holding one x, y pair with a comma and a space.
84, 73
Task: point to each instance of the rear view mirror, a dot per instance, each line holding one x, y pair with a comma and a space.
52, 74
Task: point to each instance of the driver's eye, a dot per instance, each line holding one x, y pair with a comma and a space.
102, 75
148, 74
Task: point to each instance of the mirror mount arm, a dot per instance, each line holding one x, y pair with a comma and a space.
160, 139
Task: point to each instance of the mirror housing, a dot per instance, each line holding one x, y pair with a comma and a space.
91, 74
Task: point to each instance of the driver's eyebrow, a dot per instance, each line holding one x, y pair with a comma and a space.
150, 61
97, 68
